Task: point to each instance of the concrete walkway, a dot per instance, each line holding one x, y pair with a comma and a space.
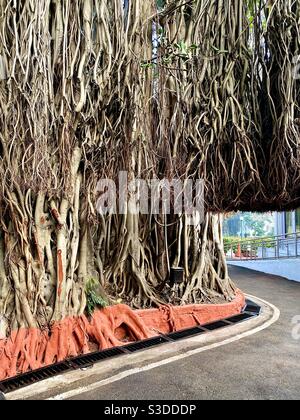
263, 366
288, 268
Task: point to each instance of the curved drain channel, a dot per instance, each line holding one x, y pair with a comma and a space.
21, 381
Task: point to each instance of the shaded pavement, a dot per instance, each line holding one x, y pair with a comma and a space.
263, 366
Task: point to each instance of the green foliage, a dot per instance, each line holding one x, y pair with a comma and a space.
246, 244
148, 65
218, 50
94, 300
259, 223
180, 49
231, 242
254, 11
184, 50
253, 225
160, 4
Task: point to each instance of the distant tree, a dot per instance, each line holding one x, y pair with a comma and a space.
252, 224
259, 224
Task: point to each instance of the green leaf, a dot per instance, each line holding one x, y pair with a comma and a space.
218, 50
94, 300
147, 65
160, 4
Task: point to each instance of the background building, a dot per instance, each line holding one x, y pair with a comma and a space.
287, 222
279, 256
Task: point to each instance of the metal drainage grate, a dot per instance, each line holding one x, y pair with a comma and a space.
145, 344
216, 325
179, 335
92, 358
30, 378
252, 307
239, 318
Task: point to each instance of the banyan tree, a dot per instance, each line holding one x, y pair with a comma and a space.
171, 89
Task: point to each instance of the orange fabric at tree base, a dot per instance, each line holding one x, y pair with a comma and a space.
175, 318
29, 349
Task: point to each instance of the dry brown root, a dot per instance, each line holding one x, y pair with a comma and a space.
206, 273
45, 247
131, 274
51, 260
281, 37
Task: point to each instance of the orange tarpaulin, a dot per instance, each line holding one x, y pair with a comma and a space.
29, 349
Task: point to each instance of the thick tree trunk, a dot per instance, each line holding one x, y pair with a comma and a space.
43, 256
49, 254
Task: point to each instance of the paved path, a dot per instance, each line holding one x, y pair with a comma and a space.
288, 268
263, 366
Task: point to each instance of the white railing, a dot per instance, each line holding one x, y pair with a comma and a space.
270, 248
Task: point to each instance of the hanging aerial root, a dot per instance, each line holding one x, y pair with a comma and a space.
29, 349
